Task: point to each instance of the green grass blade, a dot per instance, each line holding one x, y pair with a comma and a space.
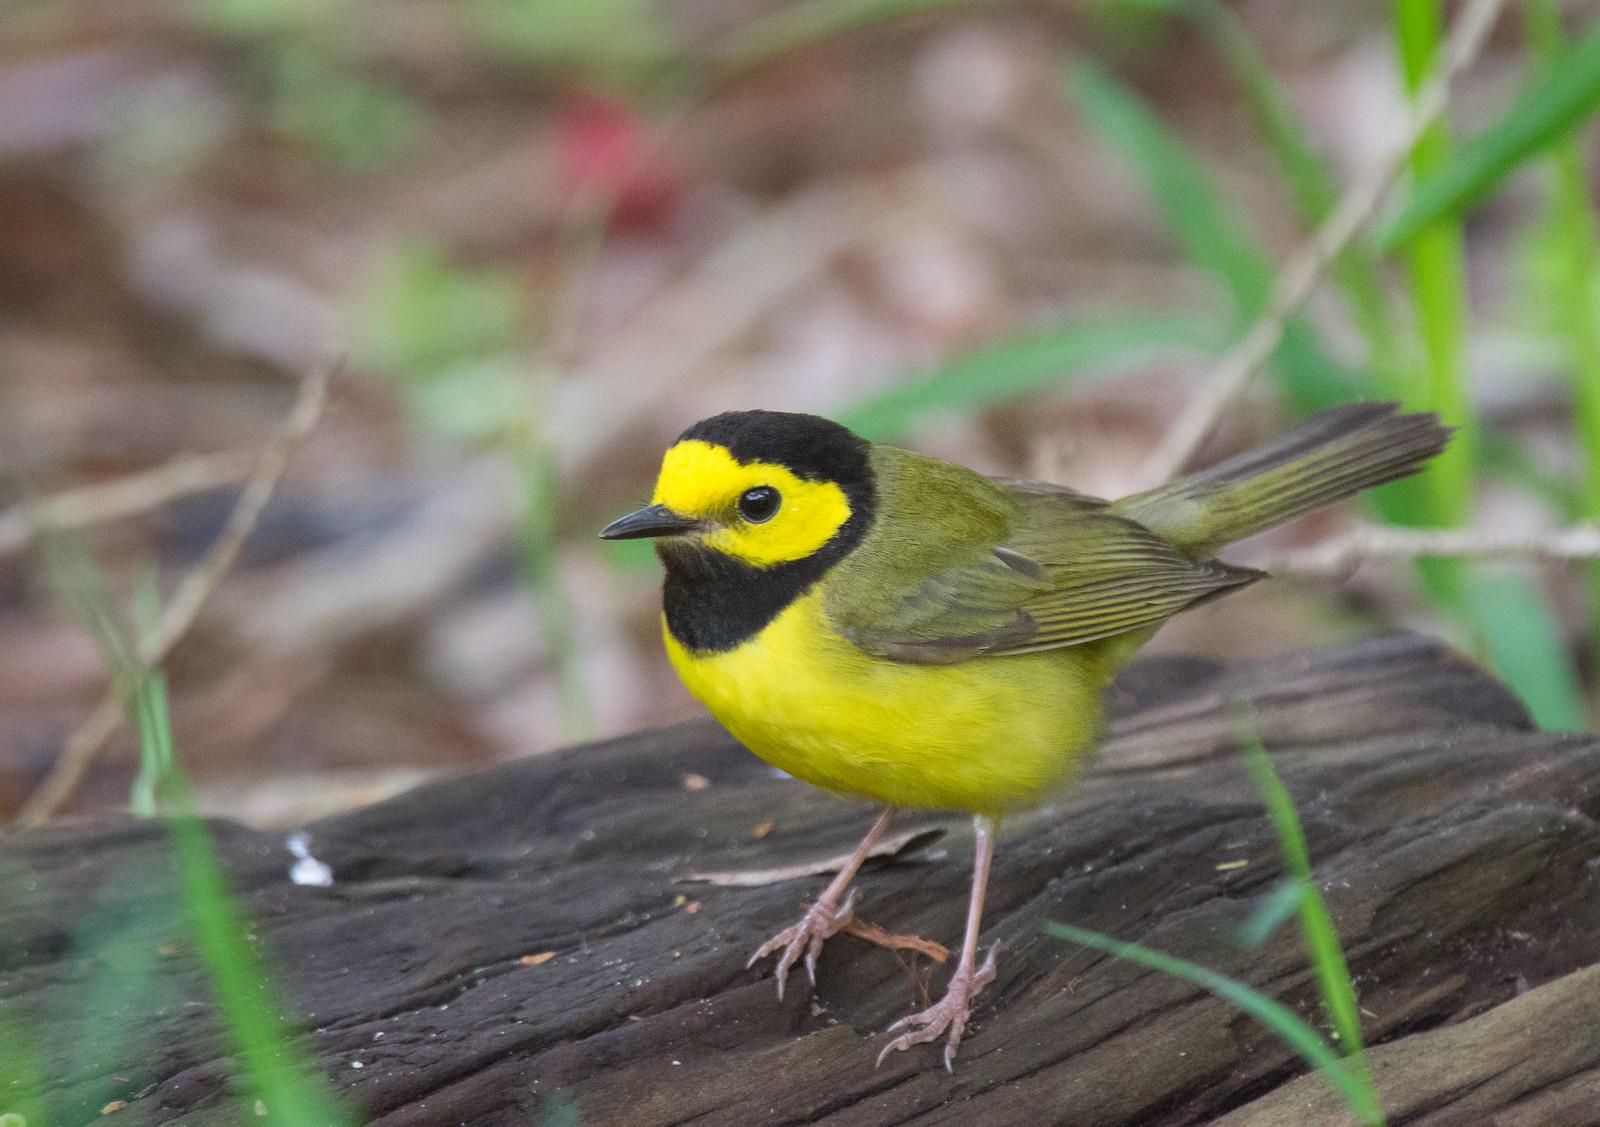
1532, 659
807, 21
1026, 363
796, 25
1524, 641
24, 1087
119, 942
451, 337
1357, 1092
72, 568
1560, 99
1570, 221
148, 709
22, 1080
1315, 192
276, 1070
1438, 285
1213, 237
1322, 940
1279, 904
1437, 276
1308, 177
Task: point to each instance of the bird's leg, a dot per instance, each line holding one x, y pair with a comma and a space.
827, 917
955, 1007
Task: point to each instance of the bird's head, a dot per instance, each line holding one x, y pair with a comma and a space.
765, 488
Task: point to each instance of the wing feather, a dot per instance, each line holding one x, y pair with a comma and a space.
1069, 572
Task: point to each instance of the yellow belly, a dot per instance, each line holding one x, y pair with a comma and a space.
987, 735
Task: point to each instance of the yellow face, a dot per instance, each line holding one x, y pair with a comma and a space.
758, 512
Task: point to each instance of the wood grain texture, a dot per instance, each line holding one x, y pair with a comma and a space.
1456, 845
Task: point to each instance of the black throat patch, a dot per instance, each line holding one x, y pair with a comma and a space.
713, 601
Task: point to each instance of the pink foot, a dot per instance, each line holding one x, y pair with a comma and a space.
822, 921
950, 1012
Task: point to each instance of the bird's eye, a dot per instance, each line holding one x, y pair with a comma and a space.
759, 504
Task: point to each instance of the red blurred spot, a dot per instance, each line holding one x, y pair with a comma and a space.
607, 154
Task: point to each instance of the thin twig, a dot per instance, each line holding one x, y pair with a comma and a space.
1294, 282
194, 589
1338, 555
756, 878
136, 493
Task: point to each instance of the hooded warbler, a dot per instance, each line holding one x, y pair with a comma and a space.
887, 624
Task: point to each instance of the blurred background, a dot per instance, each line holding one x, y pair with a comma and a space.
553, 233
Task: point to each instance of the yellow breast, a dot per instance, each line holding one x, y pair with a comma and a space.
987, 735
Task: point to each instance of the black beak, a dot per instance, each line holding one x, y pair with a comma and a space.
652, 520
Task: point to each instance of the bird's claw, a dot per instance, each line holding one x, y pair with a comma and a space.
821, 922
950, 1012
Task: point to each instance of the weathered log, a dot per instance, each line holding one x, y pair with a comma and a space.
1456, 845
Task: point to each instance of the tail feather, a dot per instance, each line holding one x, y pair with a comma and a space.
1331, 456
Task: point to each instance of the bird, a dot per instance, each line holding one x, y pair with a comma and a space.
890, 625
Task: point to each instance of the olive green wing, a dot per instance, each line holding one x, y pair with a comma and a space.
1069, 572
1114, 576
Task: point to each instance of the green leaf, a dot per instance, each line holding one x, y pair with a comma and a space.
1563, 95
363, 124
1274, 1015
1215, 238
1524, 643
423, 315
480, 400
1028, 363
